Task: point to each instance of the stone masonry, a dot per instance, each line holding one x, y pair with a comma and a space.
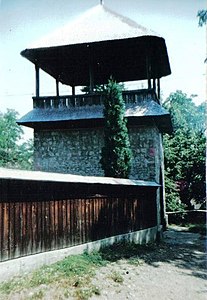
79, 151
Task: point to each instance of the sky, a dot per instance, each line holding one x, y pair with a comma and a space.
22, 22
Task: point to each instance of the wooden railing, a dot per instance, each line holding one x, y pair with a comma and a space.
89, 99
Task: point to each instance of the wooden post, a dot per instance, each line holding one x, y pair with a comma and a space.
73, 90
154, 85
148, 66
91, 71
57, 87
37, 73
158, 88
91, 76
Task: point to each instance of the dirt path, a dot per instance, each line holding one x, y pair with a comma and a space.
176, 270
173, 270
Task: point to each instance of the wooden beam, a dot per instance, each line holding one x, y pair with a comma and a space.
37, 77
57, 87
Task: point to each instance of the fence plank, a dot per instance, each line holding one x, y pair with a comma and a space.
41, 220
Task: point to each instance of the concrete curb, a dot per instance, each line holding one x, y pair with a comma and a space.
23, 265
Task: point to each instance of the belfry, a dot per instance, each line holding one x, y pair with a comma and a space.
68, 129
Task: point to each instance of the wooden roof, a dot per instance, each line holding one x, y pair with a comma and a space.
13, 174
95, 25
104, 41
144, 112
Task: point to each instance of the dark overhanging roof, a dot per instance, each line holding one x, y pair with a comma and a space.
108, 43
145, 112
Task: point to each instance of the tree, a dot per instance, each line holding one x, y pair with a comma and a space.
202, 15
185, 152
13, 152
116, 153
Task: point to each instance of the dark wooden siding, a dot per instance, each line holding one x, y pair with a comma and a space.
43, 216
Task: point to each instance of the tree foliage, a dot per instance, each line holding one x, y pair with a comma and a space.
13, 152
202, 17
185, 152
116, 153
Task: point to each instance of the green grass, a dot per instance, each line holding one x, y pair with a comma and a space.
73, 274
197, 228
75, 271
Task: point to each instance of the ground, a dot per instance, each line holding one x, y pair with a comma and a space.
174, 269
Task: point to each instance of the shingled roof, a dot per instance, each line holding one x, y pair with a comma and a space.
105, 42
95, 25
147, 110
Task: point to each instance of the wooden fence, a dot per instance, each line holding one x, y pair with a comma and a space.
38, 216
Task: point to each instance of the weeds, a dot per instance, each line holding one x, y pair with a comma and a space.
73, 274
124, 250
197, 228
116, 277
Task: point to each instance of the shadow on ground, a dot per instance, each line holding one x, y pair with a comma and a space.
184, 250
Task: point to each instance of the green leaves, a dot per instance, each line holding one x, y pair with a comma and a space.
185, 152
116, 153
13, 152
202, 15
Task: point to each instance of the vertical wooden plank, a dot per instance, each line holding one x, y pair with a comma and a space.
87, 218
69, 224
42, 234
56, 224
84, 220
38, 227
17, 224
68, 233
74, 220
71, 221
23, 228
91, 218
33, 227
1, 228
29, 227
12, 230
5, 239
47, 226
96, 217
78, 221
52, 223
65, 222
60, 221
64, 230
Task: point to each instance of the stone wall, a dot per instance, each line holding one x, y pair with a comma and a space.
79, 151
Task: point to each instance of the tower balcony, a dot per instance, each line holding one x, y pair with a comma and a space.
62, 102
86, 110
